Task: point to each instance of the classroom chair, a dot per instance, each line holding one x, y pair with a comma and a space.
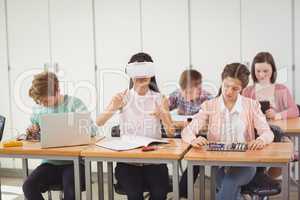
57, 188
115, 132
263, 186
298, 106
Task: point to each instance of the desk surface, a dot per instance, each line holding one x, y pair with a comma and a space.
175, 150
273, 153
34, 148
289, 126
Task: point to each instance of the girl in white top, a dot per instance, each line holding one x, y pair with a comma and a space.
142, 109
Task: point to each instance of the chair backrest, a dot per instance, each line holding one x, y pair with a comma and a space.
115, 131
2, 124
277, 131
298, 106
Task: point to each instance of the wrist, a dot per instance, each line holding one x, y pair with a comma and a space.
278, 116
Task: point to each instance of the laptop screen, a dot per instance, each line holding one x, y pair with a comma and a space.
2, 124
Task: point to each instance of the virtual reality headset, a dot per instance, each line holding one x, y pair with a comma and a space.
140, 70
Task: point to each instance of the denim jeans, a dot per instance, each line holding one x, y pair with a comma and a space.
230, 179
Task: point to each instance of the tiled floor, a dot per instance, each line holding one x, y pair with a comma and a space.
11, 190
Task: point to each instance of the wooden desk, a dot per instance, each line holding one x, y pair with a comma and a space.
291, 127
275, 155
168, 153
33, 150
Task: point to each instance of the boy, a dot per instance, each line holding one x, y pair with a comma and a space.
188, 99
45, 92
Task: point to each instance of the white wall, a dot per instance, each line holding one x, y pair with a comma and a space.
165, 38
28, 50
4, 103
215, 31
72, 48
117, 39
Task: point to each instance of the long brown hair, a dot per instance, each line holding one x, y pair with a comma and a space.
143, 57
236, 71
264, 57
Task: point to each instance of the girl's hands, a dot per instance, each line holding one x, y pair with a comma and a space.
161, 111
199, 141
118, 101
256, 144
270, 114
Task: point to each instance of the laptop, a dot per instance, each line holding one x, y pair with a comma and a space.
2, 124
65, 129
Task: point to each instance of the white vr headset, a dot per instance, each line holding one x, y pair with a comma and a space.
140, 70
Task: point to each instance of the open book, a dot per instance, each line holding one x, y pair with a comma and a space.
128, 142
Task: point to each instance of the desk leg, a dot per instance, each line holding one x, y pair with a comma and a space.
190, 181
298, 185
25, 167
77, 179
88, 185
0, 190
202, 182
176, 180
285, 182
100, 180
213, 182
110, 181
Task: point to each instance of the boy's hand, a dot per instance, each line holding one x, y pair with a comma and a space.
33, 129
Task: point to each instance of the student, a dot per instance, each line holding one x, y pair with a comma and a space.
187, 100
265, 88
45, 92
264, 72
190, 96
141, 108
231, 117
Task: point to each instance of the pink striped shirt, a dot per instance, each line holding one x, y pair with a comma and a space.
284, 103
210, 116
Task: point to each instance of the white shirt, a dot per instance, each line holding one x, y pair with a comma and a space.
136, 118
233, 127
265, 93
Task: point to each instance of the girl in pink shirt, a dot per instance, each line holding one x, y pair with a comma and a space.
231, 117
282, 105
263, 72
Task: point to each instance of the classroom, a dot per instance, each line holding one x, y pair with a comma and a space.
149, 99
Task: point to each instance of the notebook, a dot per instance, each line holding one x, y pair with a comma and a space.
128, 142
